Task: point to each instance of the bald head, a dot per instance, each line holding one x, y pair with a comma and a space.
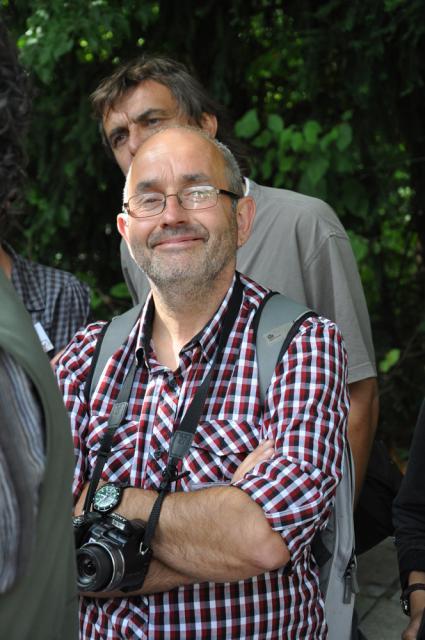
201, 158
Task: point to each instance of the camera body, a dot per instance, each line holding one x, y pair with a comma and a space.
110, 552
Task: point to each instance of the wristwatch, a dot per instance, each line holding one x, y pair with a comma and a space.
108, 497
404, 598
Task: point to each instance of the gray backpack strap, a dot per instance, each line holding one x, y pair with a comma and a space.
279, 320
116, 332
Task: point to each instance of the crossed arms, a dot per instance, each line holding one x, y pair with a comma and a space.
265, 519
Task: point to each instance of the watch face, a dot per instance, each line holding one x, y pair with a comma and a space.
106, 498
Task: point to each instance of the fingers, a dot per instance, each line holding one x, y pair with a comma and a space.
411, 632
263, 452
54, 360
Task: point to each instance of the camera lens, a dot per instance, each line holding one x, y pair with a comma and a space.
94, 568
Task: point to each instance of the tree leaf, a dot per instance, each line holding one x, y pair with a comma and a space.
311, 131
391, 358
345, 136
248, 125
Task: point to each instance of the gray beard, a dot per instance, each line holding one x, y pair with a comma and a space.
177, 283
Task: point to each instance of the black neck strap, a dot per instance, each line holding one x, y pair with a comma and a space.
183, 435
185, 431
118, 412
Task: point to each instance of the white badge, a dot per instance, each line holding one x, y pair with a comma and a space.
44, 338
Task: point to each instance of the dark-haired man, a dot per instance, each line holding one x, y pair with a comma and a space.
297, 246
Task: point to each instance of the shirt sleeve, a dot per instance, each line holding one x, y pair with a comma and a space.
306, 414
340, 296
409, 507
22, 461
71, 372
71, 312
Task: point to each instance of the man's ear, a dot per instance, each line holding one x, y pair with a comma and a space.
122, 225
209, 124
245, 214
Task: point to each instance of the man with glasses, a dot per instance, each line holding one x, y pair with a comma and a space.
297, 246
231, 549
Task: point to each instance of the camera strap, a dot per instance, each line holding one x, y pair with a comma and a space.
116, 416
183, 435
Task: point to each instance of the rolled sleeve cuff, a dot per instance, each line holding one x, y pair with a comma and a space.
296, 514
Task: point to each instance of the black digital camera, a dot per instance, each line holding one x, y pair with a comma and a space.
110, 552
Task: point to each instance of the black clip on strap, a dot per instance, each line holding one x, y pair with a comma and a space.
116, 416
185, 431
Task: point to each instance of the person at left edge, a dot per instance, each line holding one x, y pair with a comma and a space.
230, 561
56, 300
38, 599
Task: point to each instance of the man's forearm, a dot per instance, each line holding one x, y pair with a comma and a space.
217, 534
362, 423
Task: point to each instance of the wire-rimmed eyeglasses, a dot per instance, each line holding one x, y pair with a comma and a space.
145, 205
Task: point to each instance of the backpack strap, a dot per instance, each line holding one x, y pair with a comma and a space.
111, 337
276, 323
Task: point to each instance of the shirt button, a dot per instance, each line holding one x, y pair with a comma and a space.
172, 384
158, 453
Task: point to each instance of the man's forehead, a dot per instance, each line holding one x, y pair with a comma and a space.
145, 96
176, 142
183, 151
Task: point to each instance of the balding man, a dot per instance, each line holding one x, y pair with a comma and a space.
231, 549
297, 245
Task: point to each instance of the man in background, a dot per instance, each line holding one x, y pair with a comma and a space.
231, 558
297, 247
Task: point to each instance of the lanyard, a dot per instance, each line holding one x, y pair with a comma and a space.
184, 433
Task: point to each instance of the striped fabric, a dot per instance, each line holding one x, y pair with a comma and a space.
21, 469
305, 413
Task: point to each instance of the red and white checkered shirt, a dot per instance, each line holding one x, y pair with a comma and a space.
305, 412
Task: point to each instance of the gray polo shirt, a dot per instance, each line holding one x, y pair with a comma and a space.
299, 247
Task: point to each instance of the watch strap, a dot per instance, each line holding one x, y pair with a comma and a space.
405, 596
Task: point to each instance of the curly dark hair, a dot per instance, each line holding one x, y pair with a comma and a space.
14, 114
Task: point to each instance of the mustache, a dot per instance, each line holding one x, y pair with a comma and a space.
174, 232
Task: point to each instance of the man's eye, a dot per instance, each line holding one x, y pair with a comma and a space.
199, 194
150, 199
117, 141
153, 122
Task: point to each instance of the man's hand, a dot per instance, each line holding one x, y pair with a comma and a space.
78, 510
264, 451
55, 359
411, 632
417, 607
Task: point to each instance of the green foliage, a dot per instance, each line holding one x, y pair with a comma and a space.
391, 358
329, 97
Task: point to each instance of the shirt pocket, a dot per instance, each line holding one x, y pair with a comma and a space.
120, 460
218, 448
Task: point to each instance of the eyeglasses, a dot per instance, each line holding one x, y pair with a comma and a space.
146, 205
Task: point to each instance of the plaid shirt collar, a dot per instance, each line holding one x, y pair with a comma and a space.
206, 339
25, 281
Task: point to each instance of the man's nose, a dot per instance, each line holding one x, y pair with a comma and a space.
173, 212
135, 139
